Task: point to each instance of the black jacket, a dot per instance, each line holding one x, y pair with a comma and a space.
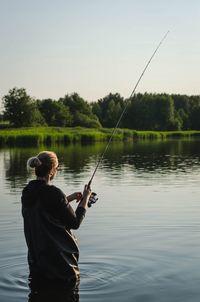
52, 248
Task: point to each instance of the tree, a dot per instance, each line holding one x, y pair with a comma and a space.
183, 117
152, 112
55, 113
195, 120
96, 109
20, 109
86, 121
75, 103
109, 109
181, 102
81, 111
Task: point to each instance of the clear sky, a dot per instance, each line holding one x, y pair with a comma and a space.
94, 47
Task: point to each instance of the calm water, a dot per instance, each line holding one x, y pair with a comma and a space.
140, 242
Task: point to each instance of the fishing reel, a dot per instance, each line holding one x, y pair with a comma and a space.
93, 199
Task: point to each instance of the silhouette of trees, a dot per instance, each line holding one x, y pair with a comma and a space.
161, 112
20, 109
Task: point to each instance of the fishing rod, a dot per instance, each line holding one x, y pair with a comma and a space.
93, 199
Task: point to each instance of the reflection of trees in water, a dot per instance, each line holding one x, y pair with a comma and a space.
73, 158
15, 165
155, 155
77, 159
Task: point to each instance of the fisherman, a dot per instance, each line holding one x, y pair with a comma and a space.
48, 219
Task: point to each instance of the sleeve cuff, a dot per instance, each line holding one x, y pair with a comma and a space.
80, 211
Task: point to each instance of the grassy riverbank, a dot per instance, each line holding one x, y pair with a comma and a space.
52, 135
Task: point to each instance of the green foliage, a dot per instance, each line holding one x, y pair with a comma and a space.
50, 136
109, 109
81, 111
152, 112
84, 120
195, 118
56, 135
156, 112
76, 103
55, 113
183, 119
20, 109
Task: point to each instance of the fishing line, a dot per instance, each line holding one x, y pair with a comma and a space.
125, 108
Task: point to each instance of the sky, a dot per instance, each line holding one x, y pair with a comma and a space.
94, 47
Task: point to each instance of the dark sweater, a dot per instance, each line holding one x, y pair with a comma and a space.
52, 248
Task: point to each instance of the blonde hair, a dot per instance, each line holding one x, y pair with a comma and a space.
43, 163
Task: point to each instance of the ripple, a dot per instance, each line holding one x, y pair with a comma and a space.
13, 281
107, 274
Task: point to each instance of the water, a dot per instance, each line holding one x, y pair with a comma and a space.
140, 242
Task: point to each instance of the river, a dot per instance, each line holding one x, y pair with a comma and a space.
139, 243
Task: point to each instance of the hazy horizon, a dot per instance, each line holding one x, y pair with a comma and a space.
94, 48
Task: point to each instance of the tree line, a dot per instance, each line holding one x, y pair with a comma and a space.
146, 111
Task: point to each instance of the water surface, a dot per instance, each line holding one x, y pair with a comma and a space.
140, 242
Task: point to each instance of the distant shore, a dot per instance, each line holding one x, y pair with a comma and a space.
57, 135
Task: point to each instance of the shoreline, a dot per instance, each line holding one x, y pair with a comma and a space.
34, 136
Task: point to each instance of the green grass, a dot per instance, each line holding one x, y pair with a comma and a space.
55, 135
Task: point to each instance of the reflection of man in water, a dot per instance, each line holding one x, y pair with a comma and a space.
55, 296
48, 219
